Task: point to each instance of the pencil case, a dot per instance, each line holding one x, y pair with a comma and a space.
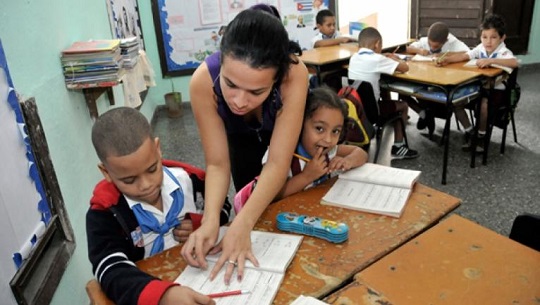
332, 231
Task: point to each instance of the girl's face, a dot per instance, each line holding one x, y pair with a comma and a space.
322, 130
491, 40
244, 88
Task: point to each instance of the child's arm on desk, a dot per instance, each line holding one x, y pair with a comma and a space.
332, 42
505, 62
348, 157
181, 295
451, 58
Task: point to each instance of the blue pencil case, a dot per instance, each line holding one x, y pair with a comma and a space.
332, 231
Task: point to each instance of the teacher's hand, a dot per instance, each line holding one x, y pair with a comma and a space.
199, 243
236, 246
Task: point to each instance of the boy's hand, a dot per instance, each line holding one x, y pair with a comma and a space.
182, 295
483, 62
317, 166
423, 52
182, 231
345, 39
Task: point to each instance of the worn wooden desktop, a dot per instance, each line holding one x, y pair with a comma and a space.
330, 58
454, 262
321, 267
449, 80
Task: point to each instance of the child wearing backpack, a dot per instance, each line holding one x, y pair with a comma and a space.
318, 156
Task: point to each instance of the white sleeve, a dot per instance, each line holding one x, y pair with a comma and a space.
386, 65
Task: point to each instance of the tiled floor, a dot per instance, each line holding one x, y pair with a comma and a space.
492, 195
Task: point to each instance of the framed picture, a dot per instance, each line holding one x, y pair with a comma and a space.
125, 20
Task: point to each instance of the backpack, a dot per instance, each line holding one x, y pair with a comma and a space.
359, 130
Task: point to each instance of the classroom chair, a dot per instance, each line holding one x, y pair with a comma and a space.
365, 90
525, 230
501, 107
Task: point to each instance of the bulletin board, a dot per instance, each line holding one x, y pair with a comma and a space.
188, 31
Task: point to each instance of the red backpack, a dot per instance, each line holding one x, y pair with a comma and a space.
359, 130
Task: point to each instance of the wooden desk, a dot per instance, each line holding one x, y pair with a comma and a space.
455, 262
320, 267
449, 80
328, 58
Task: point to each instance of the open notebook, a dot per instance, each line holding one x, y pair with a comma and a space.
274, 251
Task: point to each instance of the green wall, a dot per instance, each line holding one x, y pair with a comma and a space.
33, 33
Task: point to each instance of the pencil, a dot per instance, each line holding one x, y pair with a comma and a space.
301, 157
228, 293
442, 56
397, 48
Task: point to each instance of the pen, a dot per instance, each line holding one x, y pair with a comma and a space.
301, 157
397, 48
228, 293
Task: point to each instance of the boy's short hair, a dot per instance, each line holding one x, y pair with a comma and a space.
119, 132
438, 32
368, 37
496, 22
323, 14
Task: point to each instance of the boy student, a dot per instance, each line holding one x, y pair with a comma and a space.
439, 41
368, 65
491, 50
141, 208
327, 35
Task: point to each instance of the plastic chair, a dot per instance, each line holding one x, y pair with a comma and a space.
501, 107
365, 90
525, 230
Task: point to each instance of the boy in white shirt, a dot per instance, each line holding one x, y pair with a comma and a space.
439, 41
327, 35
368, 65
491, 50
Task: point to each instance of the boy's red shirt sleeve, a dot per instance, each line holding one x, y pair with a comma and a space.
152, 293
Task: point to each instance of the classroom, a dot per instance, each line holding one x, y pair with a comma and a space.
491, 195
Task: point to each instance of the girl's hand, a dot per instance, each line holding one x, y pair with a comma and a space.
182, 231
317, 166
199, 243
236, 246
339, 164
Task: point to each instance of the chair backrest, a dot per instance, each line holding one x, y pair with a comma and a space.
505, 101
525, 230
371, 106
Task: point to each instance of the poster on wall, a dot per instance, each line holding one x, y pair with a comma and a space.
188, 31
125, 20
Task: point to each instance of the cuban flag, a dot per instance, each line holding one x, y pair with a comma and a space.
304, 5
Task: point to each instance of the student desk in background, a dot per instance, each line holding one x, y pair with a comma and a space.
332, 58
455, 262
320, 267
446, 81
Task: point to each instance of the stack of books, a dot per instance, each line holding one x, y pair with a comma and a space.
95, 63
129, 48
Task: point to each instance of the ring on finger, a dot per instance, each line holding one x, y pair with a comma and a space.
232, 262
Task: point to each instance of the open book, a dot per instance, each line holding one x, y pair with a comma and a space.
419, 57
373, 188
472, 63
274, 251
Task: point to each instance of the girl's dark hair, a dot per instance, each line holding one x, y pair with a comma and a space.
324, 96
260, 40
494, 22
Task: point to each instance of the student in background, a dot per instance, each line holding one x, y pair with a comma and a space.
327, 35
247, 98
141, 208
439, 41
492, 50
318, 155
368, 65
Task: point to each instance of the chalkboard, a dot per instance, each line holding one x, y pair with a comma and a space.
188, 31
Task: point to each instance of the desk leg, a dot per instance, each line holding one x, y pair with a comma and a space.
318, 71
446, 139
